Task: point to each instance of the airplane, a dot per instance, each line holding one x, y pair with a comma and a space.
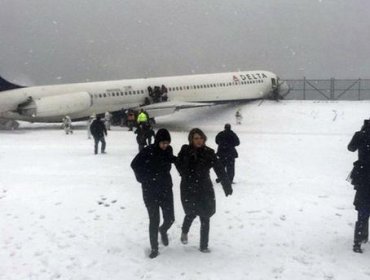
50, 103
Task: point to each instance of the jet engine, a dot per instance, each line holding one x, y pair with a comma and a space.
63, 104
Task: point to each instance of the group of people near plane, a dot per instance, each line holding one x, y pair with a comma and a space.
144, 130
96, 127
157, 94
153, 163
152, 167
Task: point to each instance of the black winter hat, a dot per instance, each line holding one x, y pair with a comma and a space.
162, 135
366, 126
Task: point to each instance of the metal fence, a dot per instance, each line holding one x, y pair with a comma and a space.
331, 89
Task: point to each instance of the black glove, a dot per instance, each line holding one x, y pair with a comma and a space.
173, 159
228, 191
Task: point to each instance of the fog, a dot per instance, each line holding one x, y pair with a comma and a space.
50, 41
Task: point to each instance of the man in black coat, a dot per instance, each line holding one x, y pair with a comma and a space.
227, 140
360, 178
152, 168
141, 136
98, 131
197, 195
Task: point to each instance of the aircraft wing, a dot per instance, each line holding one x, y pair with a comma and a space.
164, 108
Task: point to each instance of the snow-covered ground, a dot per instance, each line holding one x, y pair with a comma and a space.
66, 213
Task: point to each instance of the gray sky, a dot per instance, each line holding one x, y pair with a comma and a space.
54, 41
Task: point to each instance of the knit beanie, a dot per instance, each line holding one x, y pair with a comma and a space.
162, 135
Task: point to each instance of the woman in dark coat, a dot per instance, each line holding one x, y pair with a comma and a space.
360, 178
152, 169
197, 195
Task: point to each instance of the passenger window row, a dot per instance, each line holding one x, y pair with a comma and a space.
134, 92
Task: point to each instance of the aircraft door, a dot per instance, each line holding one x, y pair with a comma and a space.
274, 83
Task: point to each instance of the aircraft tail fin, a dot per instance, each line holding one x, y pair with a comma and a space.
5, 85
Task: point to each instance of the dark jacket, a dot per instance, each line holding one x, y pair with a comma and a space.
361, 142
152, 168
98, 129
360, 174
197, 194
141, 136
227, 140
149, 134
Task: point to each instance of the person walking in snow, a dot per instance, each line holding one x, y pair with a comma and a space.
238, 117
67, 124
227, 140
98, 131
149, 133
107, 120
152, 169
360, 178
197, 195
141, 136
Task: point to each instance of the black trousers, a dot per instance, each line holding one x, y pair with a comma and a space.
153, 205
98, 139
204, 228
362, 225
229, 165
141, 146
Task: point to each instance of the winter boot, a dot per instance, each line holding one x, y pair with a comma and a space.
357, 248
204, 244
204, 233
360, 234
184, 238
358, 237
164, 237
154, 253
204, 250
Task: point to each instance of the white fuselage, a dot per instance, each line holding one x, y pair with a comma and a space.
81, 100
